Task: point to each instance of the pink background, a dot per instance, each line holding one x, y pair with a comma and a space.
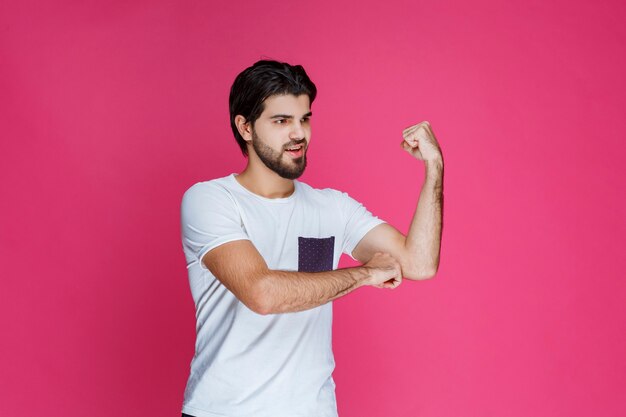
109, 111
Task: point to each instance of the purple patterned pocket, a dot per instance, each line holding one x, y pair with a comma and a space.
316, 254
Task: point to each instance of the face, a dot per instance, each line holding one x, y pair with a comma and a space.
280, 136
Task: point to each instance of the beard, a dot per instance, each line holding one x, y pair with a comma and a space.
274, 159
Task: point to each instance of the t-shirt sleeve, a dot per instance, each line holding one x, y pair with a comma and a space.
209, 218
358, 222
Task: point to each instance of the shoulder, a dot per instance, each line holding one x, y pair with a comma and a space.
212, 190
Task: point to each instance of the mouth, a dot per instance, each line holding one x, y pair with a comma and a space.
295, 151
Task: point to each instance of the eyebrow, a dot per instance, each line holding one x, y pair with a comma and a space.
288, 116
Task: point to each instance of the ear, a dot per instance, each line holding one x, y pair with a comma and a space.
244, 128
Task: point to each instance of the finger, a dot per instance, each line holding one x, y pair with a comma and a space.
410, 134
425, 125
394, 284
420, 127
417, 135
412, 150
412, 141
390, 285
410, 130
406, 146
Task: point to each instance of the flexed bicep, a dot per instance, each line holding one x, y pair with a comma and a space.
387, 239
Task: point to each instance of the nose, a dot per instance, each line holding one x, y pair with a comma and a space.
297, 131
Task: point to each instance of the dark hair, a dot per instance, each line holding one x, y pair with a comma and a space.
260, 81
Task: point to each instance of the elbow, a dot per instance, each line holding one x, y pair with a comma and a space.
428, 274
421, 274
259, 299
261, 310
258, 306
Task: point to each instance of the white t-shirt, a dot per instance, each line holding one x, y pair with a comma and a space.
277, 365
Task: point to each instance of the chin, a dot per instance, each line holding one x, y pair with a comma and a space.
292, 175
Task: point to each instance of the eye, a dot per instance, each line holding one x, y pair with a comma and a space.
279, 121
306, 120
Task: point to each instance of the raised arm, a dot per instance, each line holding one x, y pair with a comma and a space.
418, 251
241, 268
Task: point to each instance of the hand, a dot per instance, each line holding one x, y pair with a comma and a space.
384, 271
420, 142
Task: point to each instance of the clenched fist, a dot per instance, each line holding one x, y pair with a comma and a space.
420, 142
383, 271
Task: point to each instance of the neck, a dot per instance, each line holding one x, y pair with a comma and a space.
261, 180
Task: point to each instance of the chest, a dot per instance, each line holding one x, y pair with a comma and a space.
295, 236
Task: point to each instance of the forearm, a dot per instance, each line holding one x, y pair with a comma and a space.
287, 291
423, 241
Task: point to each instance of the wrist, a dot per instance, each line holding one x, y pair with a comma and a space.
361, 276
434, 164
434, 171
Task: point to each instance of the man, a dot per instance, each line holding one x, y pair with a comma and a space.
262, 252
